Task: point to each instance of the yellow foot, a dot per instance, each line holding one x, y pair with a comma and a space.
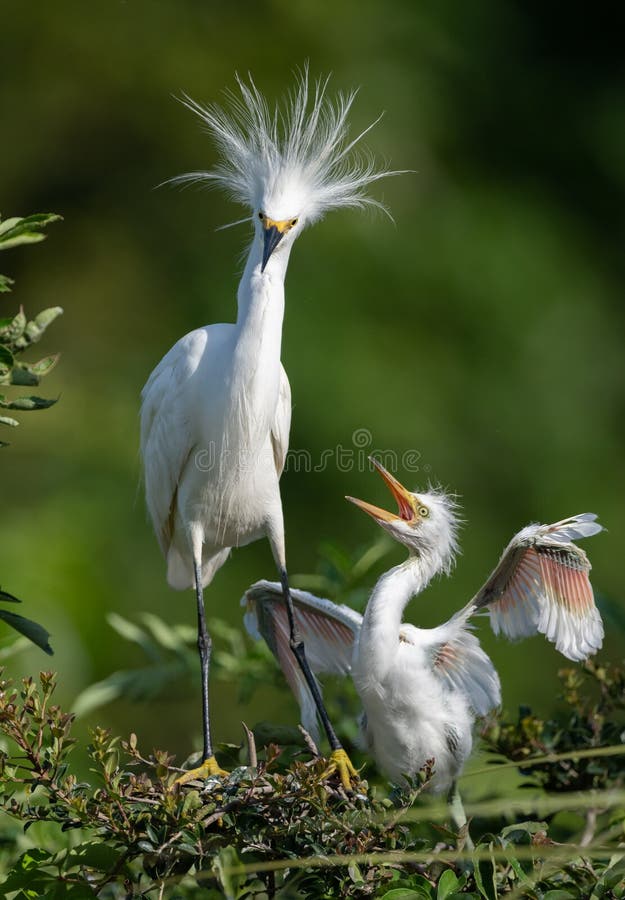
208, 769
341, 764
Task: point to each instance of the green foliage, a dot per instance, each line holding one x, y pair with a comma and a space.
172, 662
345, 576
26, 230
594, 695
277, 828
32, 630
17, 333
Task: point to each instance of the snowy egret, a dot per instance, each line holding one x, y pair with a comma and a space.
422, 688
216, 410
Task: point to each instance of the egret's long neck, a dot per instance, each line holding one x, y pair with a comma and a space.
379, 635
255, 374
260, 297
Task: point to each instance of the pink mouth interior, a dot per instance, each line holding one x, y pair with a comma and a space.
406, 511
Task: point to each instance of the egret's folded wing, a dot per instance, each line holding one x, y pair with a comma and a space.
282, 423
166, 440
328, 630
541, 584
458, 659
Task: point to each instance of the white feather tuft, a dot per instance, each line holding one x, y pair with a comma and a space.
298, 155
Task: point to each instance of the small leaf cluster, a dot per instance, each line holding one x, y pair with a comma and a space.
594, 695
17, 333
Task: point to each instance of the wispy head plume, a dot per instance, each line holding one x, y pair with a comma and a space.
297, 157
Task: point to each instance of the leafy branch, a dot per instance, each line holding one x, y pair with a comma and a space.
17, 333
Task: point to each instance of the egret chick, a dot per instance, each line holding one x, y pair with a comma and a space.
422, 688
216, 410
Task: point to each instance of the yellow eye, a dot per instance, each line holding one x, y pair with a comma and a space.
424, 512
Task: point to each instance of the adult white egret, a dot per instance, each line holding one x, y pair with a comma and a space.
216, 410
421, 688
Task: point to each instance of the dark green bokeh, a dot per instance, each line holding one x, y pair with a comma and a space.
483, 329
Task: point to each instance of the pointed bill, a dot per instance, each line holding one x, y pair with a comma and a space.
272, 238
274, 232
406, 503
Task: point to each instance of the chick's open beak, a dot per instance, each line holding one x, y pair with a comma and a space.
406, 504
274, 232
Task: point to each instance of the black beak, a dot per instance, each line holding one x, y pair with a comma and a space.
272, 239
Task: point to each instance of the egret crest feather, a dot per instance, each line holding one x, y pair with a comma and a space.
297, 155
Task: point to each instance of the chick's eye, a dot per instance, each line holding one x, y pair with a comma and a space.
261, 216
424, 512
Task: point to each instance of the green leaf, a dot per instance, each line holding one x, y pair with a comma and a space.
98, 694
20, 375
45, 365
94, 855
8, 224
447, 884
559, 894
518, 869
25, 230
132, 632
30, 374
6, 359
5, 283
615, 873
27, 403
6, 420
35, 328
406, 894
229, 870
27, 872
521, 832
484, 874
15, 328
162, 632
32, 630
9, 598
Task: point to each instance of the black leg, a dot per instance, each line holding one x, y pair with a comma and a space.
297, 646
204, 645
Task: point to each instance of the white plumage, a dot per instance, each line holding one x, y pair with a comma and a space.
216, 410
422, 688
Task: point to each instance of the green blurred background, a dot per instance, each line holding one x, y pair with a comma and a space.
483, 329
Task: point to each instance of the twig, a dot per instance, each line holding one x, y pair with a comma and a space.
252, 756
309, 742
588, 833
